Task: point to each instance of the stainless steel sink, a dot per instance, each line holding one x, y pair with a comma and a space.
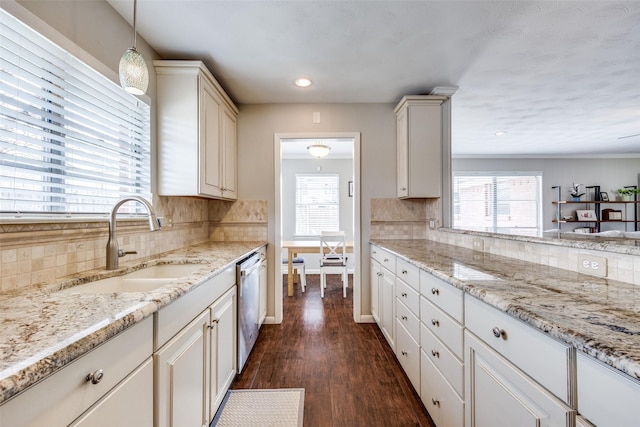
144, 280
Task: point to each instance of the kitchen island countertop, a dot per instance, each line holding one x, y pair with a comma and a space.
597, 316
43, 329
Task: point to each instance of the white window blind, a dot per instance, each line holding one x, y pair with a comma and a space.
71, 140
498, 202
317, 204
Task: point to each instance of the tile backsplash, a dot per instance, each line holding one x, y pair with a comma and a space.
32, 253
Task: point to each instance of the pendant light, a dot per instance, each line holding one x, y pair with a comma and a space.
319, 150
134, 75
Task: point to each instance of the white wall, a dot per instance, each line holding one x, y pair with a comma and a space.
609, 173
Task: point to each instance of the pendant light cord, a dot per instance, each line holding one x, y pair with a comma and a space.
134, 22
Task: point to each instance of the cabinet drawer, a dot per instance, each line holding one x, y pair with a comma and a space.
409, 320
175, 316
385, 258
606, 397
518, 342
447, 363
446, 296
409, 273
442, 326
408, 353
409, 296
65, 395
442, 402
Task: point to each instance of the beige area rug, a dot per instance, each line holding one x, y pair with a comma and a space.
261, 408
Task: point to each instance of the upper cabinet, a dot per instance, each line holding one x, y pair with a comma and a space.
420, 130
197, 144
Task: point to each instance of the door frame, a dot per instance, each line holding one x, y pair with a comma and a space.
357, 268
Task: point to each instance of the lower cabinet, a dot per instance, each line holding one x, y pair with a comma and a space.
196, 367
262, 314
441, 400
499, 394
116, 409
387, 308
182, 367
376, 278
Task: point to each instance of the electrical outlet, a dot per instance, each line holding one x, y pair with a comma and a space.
478, 244
432, 223
593, 265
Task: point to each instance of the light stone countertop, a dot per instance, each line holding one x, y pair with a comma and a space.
44, 330
599, 317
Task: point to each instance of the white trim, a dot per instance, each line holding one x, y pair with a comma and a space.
277, 149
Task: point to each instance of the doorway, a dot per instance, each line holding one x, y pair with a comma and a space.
288, 148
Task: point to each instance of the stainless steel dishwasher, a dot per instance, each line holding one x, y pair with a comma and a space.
248, 279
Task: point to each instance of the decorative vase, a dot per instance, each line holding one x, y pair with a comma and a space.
575, 199
627, 197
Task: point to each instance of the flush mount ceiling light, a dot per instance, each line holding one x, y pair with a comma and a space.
501, 132
134, 75
302, 82
319, 150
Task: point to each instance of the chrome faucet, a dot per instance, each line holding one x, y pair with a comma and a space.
113, 252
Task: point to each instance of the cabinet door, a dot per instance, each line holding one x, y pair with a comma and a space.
209, 146
375, 289
130, 403
222, 348
182, 377
263, 292
402, 141
499, 394
387, 307
230, 155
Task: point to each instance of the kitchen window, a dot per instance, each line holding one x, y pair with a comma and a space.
498, 202
71, 140
317, 204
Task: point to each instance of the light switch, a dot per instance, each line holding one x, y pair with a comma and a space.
316, 117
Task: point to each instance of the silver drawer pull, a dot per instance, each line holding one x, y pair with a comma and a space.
379, 274
386, 260
404, 271
435, 401
435, 322
404, 317
213, 323
404, 353
499, 333
96, 376
435, 291
404, 295
435, 353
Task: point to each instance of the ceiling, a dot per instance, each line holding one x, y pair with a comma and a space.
561, 78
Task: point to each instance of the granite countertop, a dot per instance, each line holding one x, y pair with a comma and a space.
44, 330
597, 316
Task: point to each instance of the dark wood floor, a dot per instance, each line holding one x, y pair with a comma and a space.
350, 374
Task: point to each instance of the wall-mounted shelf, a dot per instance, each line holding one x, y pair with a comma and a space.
597, 204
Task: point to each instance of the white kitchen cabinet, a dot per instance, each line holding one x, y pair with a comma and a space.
387, 307
116, 408
66, 395
222, 348
419, 128
606, 397
182, 369
376, 278
197, 142
444, 405
499, 394
263, 287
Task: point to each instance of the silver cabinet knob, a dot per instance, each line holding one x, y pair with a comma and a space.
404, 272
435, 322
499, 333
404, 353
96, 376
435, 353
435, 401
404, 295
404, 317
435, 291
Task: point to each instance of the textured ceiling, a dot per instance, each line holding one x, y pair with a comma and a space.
560, 77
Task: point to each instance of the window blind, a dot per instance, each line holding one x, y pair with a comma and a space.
317, 204
71, 140
498, 202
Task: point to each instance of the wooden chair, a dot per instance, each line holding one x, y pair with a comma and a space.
298, 265
333, 259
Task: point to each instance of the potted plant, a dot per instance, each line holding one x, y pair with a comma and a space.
627, 193
575, 192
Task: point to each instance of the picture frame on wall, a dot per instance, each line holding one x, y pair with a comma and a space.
604, 196
586, 215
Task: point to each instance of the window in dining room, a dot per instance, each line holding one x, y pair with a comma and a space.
317, 203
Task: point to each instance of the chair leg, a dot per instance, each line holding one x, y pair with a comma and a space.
323, 283
345, 283
303, 278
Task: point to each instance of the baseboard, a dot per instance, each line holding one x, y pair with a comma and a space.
366, 318
270, 320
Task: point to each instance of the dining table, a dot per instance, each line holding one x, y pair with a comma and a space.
295, 247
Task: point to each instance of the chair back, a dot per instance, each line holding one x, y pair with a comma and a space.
332, 246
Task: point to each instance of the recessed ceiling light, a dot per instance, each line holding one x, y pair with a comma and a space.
501, 132
302, 82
